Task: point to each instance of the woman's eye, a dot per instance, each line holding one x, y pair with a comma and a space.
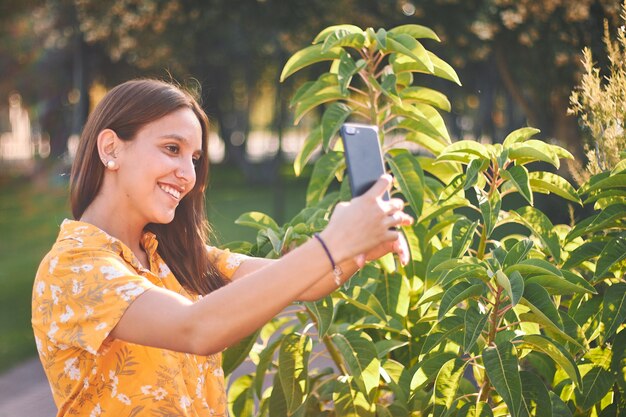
172, 148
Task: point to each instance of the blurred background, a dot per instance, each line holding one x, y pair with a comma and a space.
518, 61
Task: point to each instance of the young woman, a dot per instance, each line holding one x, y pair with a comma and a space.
131, 309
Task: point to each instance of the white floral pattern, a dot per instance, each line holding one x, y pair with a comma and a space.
82, 288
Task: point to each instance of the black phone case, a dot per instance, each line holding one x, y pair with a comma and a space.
364, 159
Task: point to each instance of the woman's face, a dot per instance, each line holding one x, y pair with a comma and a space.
157, 168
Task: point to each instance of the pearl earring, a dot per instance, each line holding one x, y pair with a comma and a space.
110, 164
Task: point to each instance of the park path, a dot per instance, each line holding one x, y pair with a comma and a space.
24, 392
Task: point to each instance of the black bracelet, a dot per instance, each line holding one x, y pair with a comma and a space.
337, 272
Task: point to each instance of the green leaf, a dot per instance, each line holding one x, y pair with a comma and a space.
547, 182
446, 385
381, 38
475, 167
462, 271
536, 399
325, 89
462, 236
569, 283
518, 175
235, 355
323, 174
427, 96
442, 69
538, 300
428, 142
293, 359
519, 135
435, 119
618, 360
490, 210
457, 293
308, 56
428, 368
618, 180
428, 124
311, 143
613, 253
584, 252
277, 402
388, 85
503, 371
474, 323
361, 357
403, 44
351, 402
323, 310
393, 293
346, 70
596, 384
265, 360
517, 253
343, 38
540, 226
559, 408
533, 150
366, 301
534, 266
333, 118
476, 409
512, 284
415, 31
410, 177
444, 330
469, 147
555, 351
383, 347
321, 37
240, 396
257, 220
614, 309
607, 217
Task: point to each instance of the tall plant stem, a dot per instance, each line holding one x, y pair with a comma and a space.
335, 356
491, 338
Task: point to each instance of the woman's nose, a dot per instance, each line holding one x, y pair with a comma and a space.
186, 171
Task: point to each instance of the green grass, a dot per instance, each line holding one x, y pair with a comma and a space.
30, 214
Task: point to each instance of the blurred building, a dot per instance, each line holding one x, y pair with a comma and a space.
19, 143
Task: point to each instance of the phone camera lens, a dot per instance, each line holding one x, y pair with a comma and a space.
350, 130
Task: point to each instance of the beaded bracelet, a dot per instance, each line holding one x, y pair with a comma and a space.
337, 272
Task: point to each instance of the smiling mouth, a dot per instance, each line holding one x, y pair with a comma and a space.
171, 191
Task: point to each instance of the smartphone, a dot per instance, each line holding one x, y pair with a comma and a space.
364, 159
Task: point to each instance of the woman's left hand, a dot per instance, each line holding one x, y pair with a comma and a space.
398, 246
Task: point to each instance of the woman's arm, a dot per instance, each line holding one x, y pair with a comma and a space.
326, 285
161, 318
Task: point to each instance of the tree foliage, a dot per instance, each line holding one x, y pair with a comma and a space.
499, 311
600, 103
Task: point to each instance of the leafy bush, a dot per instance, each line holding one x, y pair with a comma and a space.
600, 103
499, 312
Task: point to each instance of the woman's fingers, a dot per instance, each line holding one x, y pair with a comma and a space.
380, 187
402, 249
398, 218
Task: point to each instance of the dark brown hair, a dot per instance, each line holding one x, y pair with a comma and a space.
125, 110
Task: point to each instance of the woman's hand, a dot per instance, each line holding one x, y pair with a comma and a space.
366, 226
399, 247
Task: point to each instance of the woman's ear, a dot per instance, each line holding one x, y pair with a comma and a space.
108, 145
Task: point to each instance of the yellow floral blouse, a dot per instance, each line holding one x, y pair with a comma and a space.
82, 288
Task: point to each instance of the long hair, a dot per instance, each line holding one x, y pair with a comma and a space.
125, 110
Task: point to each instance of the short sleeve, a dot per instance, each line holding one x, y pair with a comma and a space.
225, 261
80, 295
